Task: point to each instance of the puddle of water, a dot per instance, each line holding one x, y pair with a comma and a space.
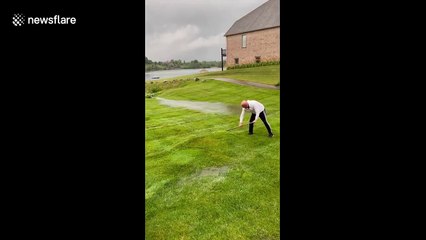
207, 107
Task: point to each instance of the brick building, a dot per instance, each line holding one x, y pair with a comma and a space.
256, 36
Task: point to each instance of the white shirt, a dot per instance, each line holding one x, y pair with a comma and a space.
254, 107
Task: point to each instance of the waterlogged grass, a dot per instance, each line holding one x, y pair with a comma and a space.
203, 182
265, 74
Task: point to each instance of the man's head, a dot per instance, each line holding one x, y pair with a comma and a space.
244, 104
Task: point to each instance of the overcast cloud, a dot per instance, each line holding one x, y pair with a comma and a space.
191, 29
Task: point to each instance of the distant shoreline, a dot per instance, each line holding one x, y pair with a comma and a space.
177, 69
161, 74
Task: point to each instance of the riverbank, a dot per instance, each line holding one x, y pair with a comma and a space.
265, 75
162, 74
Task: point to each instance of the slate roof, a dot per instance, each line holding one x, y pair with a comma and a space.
265, 16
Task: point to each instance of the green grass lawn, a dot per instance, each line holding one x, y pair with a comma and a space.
203, 182
266, 74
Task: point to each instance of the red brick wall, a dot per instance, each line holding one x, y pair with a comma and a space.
263, 43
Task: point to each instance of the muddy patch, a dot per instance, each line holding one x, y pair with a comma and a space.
206, 107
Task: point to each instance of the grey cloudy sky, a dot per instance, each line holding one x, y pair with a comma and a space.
191, 29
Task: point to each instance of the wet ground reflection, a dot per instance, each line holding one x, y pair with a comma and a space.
207, 107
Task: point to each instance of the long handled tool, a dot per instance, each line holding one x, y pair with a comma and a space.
233, 128
237, 127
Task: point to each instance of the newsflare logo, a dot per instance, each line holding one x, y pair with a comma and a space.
19, 19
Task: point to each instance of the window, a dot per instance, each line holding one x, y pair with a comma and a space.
244, 41
236, 60
257, 59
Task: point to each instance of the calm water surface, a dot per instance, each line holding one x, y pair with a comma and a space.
176, 73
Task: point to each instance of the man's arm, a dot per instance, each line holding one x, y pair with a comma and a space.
241, 117
257, 116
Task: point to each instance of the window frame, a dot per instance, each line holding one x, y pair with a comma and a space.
244, 40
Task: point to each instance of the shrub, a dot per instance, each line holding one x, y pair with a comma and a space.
156, 88
153, 87
250, 65
149, 95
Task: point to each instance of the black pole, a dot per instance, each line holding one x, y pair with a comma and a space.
221, 55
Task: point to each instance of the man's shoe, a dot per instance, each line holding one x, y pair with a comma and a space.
271, 134
250, 133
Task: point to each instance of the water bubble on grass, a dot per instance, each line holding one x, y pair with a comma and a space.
215, 174
213, 171
206, 107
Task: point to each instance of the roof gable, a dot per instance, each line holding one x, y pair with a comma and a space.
265, 16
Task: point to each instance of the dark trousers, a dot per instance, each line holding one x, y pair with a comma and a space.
262, 116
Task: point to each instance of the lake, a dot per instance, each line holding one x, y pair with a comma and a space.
176, 73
